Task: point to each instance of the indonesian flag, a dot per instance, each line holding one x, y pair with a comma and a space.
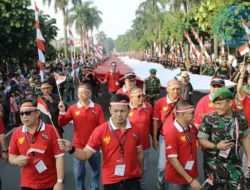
60, 79
40, 148
244, 49
222, 46
246, 27
210, 180
43, 107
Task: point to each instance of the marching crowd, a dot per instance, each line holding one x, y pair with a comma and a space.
119, 147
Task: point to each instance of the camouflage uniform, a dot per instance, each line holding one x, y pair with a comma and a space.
152, 89
209, 69
36, 87
69, 86
225, 170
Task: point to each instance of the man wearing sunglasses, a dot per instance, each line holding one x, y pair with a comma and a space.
141, 115
130, 81
52, 101
34, 148
113, 79
86, 116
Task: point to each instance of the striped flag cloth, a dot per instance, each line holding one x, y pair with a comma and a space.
71, 43
41, 105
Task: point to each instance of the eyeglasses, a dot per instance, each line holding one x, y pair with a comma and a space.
27, 113
141, 96
131, 80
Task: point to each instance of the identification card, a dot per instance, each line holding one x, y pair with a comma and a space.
189, 165
224, 153
117, 83
40, 166
120, 170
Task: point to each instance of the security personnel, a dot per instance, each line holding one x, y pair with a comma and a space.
152, 86
222, 134
69, 85
36, 85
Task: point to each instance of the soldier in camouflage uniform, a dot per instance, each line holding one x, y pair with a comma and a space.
69, 86
152, 87
35, 86
207, 69
222, 134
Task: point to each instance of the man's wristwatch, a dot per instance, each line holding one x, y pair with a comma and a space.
215, 147
61, 181
72, 150
5, 151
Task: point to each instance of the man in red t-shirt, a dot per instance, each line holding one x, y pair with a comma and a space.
164, 107
181, 169
113, 79
141, 114
34, 148
120, 140
86, 116
245, 101
206, 105
130, 81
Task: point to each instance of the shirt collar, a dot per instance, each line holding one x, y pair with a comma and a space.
169, 101
24, 128
178, 127
210, 97
112, 71
128, 125
124, 89
132, 107
91, 104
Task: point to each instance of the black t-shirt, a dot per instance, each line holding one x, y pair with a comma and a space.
195, 69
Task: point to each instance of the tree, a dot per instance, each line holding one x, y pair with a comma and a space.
101, 37
85, 18
62, 6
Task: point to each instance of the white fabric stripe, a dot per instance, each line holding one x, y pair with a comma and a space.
156, 118
36, 15
59, 155
62, 113
41, 56
173, 155
39, 35
93, 150
36, 150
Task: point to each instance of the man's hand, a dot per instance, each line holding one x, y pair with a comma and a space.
155, 144
224, 145
64, 145
61, 106
48, 97
22, 160
5, 156
195, 185
59, 186
242, 70
248, 165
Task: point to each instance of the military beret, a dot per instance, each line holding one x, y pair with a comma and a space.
222, 94
35, 77
152, 71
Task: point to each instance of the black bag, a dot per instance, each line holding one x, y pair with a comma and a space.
164, 120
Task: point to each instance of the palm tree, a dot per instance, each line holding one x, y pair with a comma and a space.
101, 37
85, 17
62, 6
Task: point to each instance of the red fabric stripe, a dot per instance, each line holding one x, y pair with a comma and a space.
41, 66
40, 45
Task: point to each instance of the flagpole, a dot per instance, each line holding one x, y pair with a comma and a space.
59, 92
244, 57
203, 184
58, 136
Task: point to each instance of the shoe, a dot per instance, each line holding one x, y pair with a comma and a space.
160, 185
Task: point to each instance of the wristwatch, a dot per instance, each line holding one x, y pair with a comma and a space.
5, 151
61, 181
72, 150
215, 147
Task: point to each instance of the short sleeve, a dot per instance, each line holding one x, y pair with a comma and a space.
13, 148
171, 143
94, 142
205, 129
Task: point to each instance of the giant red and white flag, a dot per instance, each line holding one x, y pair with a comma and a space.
40, 44
60, 79
244, 49
41, 105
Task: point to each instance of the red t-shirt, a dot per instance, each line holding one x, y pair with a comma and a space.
142, 118
113, 81
178, 145
206, 106
46, 140
85, 121
161, 109
103, 137
2, 128
123, 90
246, 108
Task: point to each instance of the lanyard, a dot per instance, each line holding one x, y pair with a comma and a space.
121, 144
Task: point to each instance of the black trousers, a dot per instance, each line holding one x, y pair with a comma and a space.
27, 188
128, 184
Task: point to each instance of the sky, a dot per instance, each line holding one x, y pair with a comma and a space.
117, 15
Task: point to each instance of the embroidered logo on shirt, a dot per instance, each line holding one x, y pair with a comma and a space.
130, 114
106, 139
45, 136
135, 136
93, 111
146, 110
211, 105
77, 113
21, 140
183, 138
165, 108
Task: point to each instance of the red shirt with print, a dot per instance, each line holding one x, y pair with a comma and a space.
113, 81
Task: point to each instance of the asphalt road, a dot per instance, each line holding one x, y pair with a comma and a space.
10, 175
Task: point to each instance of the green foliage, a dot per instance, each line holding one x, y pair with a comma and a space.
18, 32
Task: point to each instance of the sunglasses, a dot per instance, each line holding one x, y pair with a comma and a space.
27, 113
131, 80
141, 96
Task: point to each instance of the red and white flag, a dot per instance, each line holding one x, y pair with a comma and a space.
210, 180
71, 43
85, 48
156, 49
39, 148
43, 107
222, 46
246, 27
244, 49
60, 79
